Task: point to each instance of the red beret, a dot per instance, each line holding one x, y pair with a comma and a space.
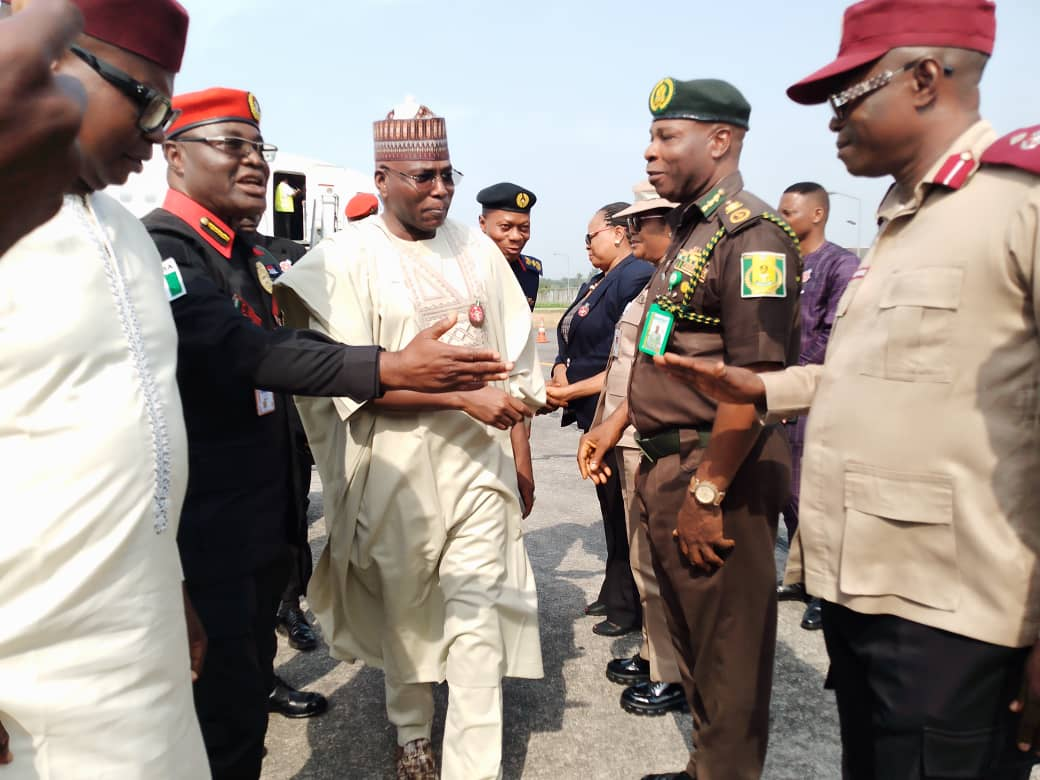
210, 106
362, 205
873, 28
153, 29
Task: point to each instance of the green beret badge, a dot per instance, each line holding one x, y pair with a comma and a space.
661, 95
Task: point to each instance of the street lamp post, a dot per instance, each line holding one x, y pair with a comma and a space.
859, 217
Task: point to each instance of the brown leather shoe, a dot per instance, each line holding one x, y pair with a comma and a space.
415, 761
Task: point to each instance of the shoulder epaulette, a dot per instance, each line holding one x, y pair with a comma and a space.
1020, 149
533, 263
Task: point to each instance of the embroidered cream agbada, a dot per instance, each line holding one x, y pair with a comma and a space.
94, 670
397, 485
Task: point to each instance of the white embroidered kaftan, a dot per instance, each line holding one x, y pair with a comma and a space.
94, 671
400, 486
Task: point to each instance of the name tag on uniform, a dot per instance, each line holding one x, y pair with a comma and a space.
656, 330
264, 402
615, 348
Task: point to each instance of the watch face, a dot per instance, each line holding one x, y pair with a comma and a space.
705, 494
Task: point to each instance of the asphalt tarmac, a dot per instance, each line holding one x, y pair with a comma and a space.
569, 724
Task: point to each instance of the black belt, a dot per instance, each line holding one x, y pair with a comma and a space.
666, 443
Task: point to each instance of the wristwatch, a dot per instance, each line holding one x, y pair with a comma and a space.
705, 493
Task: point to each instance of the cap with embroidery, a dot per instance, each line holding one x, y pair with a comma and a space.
506, 196
411, 132
873, 28
645, 198
703, 100
364, 204
210, 106
154, 29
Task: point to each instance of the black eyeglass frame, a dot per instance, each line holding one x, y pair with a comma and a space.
141, 95
265, 150
634, 223
426, 178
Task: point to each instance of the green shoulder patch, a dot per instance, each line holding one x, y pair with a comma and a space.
763, 275
174, 281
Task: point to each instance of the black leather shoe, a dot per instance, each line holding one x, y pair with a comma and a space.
629, 671
793, 592
653, 698
668, 776
293, 624
610, 628
812, 620
596, 609
287, 701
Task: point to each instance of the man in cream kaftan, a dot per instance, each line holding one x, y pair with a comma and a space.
94, 668
425, 572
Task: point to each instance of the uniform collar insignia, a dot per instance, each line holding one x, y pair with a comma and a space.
208, 226
955, 170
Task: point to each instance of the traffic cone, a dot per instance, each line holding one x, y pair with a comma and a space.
542, 338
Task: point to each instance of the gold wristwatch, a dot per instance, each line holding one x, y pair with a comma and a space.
705, 493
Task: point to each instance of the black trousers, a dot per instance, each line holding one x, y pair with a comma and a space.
918, 703
238, 675
618, 591
301, 563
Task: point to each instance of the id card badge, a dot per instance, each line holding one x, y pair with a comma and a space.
656, 330
264, 402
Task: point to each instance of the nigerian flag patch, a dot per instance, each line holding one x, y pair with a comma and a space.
174, 280
764, 275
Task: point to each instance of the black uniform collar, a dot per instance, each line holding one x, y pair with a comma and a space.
210, 228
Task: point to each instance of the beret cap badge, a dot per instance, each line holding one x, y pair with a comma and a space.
661, 95
522, 199
254, 106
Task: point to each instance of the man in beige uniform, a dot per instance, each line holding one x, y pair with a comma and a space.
919, 506
652, 674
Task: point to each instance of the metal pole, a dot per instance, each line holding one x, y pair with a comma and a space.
859, 217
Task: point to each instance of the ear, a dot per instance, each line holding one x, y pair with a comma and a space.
927, 76
381, 184
174, 154
719, 142
818, 215
620, 234
483, 224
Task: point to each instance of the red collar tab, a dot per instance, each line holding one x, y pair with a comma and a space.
1020, 149
956, 171
210, 228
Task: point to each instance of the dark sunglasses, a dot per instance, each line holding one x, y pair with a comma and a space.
590, 236
450, 177
636, 222
154, 110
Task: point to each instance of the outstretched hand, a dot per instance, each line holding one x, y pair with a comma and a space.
427, 365
727, 384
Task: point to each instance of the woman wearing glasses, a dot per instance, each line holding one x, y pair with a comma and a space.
585, 336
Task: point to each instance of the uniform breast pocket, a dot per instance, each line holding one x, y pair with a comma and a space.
917, 312
899, 537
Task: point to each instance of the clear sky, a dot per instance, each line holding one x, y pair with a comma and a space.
552, 95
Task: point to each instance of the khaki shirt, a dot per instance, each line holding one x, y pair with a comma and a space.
619, 367
730, 315
919, 481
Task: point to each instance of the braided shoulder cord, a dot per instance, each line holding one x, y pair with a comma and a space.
682, 310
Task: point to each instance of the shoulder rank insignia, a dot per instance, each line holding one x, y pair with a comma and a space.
532, 263
737, 212
214, 230
1020, 149
956, 171
763, 275
174, 280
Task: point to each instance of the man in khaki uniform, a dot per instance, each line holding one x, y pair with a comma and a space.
726, 288
652, 674
919, 502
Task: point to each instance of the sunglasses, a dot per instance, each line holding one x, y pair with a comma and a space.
590, 236
636, 222
840, 101
154, 111
450, 177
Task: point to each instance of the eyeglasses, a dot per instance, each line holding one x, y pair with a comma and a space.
234, 146
841, 100
154, 110
635, 223
593, 234
450, 177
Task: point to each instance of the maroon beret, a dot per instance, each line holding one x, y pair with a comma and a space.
872, 28
153, 29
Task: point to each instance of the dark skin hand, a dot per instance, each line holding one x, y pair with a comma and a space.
524, 470
600, 440
197, 641
489, 405
726, 384
40, 115
561, 395
1028, 704
427, 365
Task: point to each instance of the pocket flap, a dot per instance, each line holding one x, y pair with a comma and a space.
910, 498
931, 288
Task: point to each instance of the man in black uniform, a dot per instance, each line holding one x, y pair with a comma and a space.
235, 367
506, 220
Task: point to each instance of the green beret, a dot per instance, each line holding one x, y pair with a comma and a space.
704, 100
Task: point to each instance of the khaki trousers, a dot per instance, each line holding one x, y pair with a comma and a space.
657, 641
723, 626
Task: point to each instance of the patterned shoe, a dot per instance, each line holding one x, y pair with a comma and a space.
415, 761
